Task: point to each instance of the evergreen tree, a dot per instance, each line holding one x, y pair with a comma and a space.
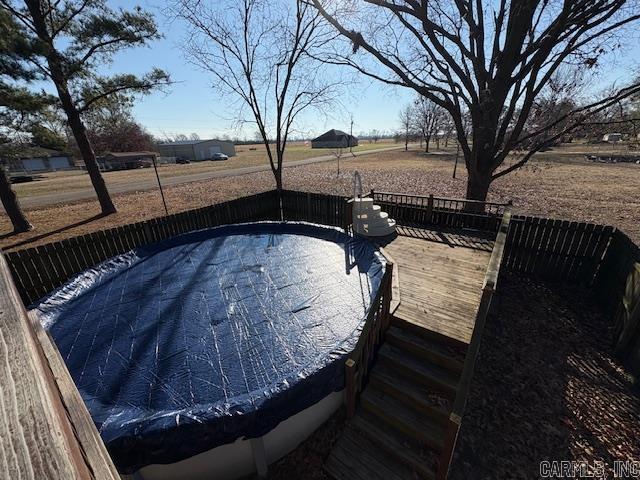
69, 41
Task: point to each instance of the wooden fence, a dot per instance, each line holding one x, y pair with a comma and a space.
361, 359
617, 286
556, 250
39, 270
488, 289
317, 208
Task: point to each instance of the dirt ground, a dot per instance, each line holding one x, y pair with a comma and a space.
305, 462
546, 387
560, 186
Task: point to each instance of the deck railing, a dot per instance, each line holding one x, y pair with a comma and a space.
421, 210
360, 360
462, 393
45, 428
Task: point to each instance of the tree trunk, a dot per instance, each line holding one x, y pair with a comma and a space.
426, 144
56, 71
477, 189
278, 176
11, 205
88, 155
406, 142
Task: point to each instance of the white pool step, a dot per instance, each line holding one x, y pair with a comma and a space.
370, 220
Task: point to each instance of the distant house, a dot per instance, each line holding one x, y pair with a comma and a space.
612, 137
196, 149
334, 139
37, 159
125, 160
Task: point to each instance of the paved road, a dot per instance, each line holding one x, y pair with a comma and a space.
36, 201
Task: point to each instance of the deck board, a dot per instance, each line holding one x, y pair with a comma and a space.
440, 276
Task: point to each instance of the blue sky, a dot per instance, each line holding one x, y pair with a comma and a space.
191, 105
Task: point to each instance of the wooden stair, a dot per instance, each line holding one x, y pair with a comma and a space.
398, 430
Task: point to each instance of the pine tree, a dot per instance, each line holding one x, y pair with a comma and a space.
70, 40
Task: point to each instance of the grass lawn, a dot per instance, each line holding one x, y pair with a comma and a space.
247, 156
561, 186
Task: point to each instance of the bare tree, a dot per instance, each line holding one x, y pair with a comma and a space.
194, 136
263, 54
406, 118
490, 58
427, 117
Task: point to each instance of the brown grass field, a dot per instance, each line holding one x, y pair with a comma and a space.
555, 184
246, 156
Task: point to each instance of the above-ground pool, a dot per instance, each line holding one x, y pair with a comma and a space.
208, 337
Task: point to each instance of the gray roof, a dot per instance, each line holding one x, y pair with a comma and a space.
332, 134
191, 142
129, 154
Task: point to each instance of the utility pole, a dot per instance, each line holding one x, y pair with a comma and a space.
166, 211
351, 138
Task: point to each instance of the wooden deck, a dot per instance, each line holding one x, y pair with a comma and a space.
401, 428
439, 278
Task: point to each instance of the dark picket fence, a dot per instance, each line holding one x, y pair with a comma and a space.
617, 287
39, 270
317, 208
556, 250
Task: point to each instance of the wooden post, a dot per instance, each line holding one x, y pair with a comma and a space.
429, 208
350, 390
451, 436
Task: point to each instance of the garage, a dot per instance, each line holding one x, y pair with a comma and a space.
34, 164
59, 163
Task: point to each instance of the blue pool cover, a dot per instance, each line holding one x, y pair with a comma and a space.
194, 342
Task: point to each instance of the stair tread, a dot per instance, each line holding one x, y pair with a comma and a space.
356, 457
409, 390
405, 418
456, 354
404, 323
420, 457
419, 369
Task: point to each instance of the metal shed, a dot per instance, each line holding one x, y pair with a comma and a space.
196, 149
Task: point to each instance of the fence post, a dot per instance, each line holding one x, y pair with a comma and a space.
451, 436
350, 387
429, 207
146, 231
